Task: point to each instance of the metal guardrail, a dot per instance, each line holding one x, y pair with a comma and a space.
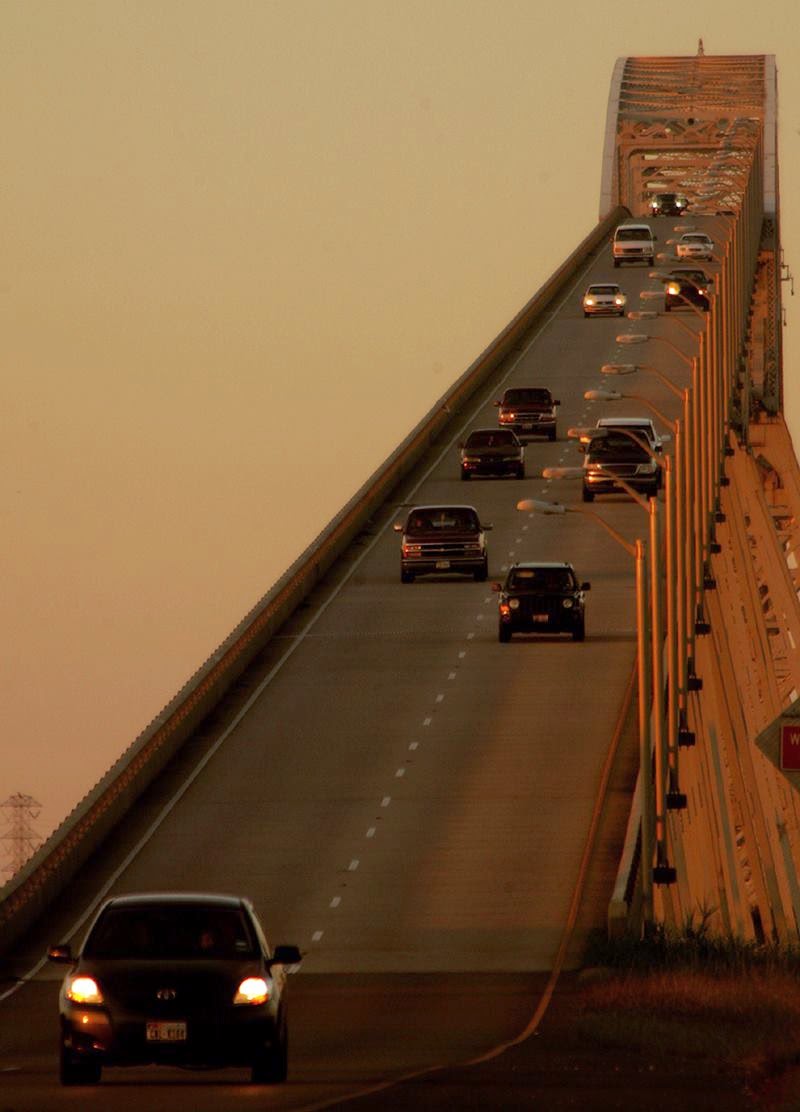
28, 894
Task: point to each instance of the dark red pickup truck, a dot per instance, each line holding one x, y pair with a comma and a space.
443, 539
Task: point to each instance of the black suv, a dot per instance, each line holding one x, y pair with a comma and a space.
686, 284
183, 979
492, 452
541, 598
529, 411
668, 204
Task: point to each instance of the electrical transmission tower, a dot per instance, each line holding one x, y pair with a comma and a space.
20, 840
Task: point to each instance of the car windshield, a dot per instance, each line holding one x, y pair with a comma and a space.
617, 447
527, 396
177, 931
611, 290
633, 233
698, 238
490, 438
541, 579
443, 519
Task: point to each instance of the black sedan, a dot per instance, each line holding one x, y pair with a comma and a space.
492, 452
541, 598
181, 979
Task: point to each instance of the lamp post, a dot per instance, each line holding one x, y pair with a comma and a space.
695, 505
638, 552
663, 873
677, 677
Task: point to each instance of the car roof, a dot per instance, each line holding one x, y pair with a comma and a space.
607, 422
533, 564
211, 899
444, 505
601, 285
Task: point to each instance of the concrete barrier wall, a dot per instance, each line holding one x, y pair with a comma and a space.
47, 874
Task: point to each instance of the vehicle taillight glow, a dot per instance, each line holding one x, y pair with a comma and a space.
83, 990
252, 990
412, 549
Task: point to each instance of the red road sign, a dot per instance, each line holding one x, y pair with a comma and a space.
790, 745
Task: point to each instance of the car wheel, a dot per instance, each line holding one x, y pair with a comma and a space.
667, 307
271, 1067
585, 316
588, 495
503, 633
551, 435
579, 632
465, 476
521, 471
482, 573
77, 1070
616, 262
406, 576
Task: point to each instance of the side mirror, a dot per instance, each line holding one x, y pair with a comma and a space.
286, 955
61, 954
498, 403
398, 527
586, 586
556, 401
497, 587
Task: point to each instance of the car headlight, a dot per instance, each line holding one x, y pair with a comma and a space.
619, 300
673, 289
567, 603
81, 989
588, 301
513, 603
252, 990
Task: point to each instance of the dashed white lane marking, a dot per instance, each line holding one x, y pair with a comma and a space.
479, 617
317, 935
470, 636
440, 698
427, 721
518, 540
504, 567
414, 745
525, 528
462, 654
400, 772
335, 901
387, 799
371, 832
452, 675
351, 868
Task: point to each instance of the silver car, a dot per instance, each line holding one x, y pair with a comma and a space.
604, 299
694, 245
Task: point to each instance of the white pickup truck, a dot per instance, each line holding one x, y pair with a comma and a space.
633, 243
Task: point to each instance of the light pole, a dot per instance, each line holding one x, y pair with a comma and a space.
695, 504
638, 552
663, 873
677, 677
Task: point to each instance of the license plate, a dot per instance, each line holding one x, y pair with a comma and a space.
161, 1031
540, 617
527, 424
442, 565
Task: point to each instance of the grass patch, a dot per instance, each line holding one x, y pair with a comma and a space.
692, 996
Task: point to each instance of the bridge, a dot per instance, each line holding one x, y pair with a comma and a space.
428, 812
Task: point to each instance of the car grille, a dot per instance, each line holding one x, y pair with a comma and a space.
441, 550
529, 605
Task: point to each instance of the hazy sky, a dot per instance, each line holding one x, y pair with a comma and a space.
246, 246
